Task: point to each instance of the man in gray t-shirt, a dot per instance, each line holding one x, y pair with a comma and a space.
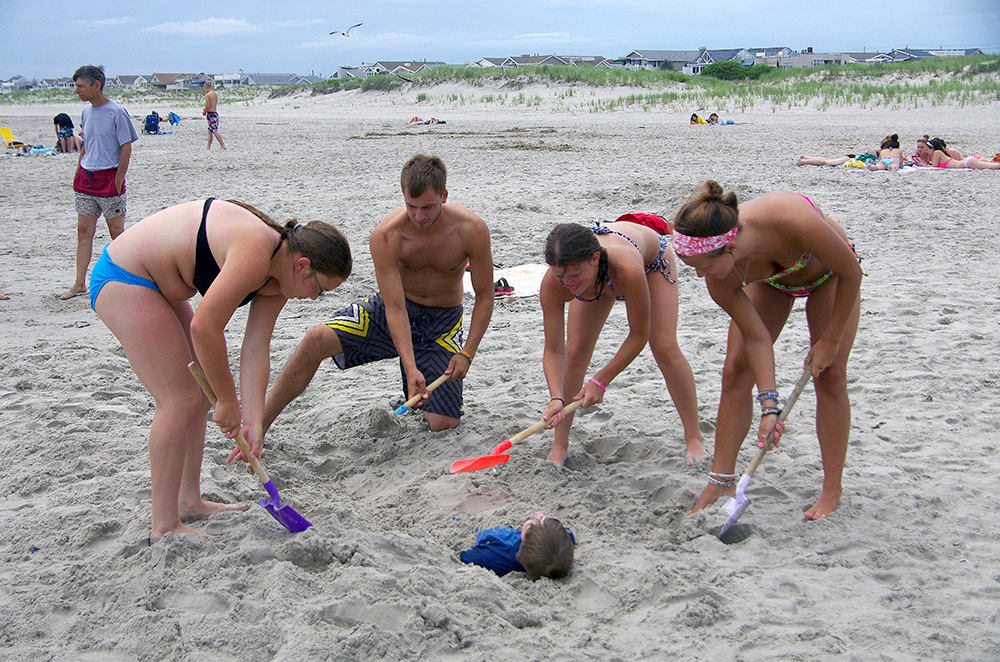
107, 134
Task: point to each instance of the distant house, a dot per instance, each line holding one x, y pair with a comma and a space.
229, 80
125, 82
189, 82
398, 67
535, 61
656, 59
770, 52
952, 52
869, 57
588, 61
162, 81
489, 62
64, 83
279, 79
343, 73
16, 84
708, 57
806, 59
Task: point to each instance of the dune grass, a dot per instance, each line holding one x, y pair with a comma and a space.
968, 80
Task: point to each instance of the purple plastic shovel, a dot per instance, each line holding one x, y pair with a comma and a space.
290, 519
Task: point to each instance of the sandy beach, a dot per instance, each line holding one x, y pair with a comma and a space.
906, 569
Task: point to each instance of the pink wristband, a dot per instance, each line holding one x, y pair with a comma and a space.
592, 380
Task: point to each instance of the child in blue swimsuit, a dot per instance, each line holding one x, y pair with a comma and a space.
542, 547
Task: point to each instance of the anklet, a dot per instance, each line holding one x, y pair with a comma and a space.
727, 479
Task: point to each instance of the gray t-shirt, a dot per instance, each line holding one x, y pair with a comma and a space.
104, 130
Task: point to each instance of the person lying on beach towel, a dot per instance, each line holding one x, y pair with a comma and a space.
714, 120
416, 120
889, 155
696, 120
935, 153
542, 547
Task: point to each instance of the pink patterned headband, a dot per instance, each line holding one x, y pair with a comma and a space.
686, 246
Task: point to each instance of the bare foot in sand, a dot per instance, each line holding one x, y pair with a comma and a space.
558, 454
828, 502
710, 495
3, 297
154, 536
695, 451
73, 292
206, 508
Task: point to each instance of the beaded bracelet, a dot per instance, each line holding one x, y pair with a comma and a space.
727, 479
767, 411
593, 380
764, 396
465, 354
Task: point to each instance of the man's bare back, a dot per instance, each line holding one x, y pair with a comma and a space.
211, 101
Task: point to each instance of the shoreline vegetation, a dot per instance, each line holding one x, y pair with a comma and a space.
969, 80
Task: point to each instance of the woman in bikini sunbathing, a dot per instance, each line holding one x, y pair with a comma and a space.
744, 253
934, 152
140, 286
889, 156
589, 268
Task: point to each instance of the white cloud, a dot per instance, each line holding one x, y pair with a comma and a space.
104, 22
297, 23
209, 27
543, 36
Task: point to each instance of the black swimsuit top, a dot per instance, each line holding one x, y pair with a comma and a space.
205, 266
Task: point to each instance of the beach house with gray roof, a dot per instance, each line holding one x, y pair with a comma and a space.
659, 59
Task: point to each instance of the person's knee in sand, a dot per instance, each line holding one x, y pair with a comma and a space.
419, 252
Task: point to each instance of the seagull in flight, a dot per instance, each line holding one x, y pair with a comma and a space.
347, 32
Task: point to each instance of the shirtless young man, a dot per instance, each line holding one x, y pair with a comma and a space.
420, 252
210, 111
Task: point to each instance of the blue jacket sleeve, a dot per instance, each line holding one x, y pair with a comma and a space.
496, 549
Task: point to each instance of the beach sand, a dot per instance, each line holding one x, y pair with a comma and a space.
906, 569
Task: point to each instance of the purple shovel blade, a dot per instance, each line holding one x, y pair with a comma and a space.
290, 519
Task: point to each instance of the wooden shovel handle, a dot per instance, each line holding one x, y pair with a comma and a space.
199, 377
527, 432
430, 387
792, 397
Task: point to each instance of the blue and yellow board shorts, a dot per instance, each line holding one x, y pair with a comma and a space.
436, 334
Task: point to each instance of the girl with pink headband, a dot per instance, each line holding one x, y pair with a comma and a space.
756, 258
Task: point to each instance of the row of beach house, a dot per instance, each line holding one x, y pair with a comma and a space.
685, 61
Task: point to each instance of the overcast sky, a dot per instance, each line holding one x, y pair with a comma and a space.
46, 38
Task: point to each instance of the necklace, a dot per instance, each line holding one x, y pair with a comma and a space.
600, 293
746, 268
